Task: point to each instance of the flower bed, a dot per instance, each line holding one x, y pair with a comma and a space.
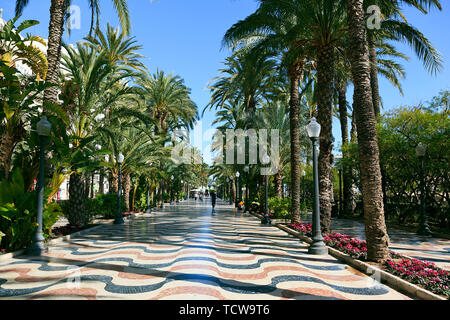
66, 230
423, 273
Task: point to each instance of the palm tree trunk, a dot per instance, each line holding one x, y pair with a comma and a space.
7, 145
294, 73
346, 170
114, 185
376, 233
374, 76
353, 130
127, 189
279, 184
77, 197
55, 32
101, 187
325, 76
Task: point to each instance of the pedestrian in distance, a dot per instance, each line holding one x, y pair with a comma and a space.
213, 201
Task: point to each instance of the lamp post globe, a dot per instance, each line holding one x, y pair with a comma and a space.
36, 248
318, 246
119, 218
424, 229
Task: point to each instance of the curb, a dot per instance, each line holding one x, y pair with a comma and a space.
389, 279
69, 237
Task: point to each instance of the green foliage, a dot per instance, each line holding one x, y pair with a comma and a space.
399, 132
106, 205
18, 210
280, 207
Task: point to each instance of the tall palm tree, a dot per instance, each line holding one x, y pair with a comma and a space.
168, 100
118, 46
247, 77
58, 14
376, 233
270, 33
91, 85
274, 115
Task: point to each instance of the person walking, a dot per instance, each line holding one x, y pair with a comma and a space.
213, 201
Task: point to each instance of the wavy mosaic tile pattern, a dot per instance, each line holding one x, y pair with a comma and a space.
185, 252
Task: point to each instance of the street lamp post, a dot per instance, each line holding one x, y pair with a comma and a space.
238, 198
318, 246
424, 229
266, 219
246, 170
340, 192
231, 189
119, 218
303, 188
171, 190
182, 190
37, 246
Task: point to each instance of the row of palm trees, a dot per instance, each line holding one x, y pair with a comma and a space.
305, 54
103, 102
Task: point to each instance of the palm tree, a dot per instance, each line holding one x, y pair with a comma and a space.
92, 85
394, 29
168, 101
274, 115
271, 33
16, 49
58, 14
376, 233
247, 77
18, 93
119, 48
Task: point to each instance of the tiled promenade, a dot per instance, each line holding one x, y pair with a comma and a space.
185, 252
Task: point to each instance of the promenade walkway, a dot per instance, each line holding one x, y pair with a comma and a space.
185, 252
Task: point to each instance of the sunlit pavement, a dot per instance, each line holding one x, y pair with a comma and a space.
185, 252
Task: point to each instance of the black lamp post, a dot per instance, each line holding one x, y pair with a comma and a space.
238, 194
266, 219
37, 246
246, 170
341, 207
303, 189
231, 189
171, 190
119, 218
182, 190
424, 229
318, 246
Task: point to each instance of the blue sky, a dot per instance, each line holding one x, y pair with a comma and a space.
184, 37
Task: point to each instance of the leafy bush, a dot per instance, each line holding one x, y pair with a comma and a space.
18, 212
106, 205
280, 207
